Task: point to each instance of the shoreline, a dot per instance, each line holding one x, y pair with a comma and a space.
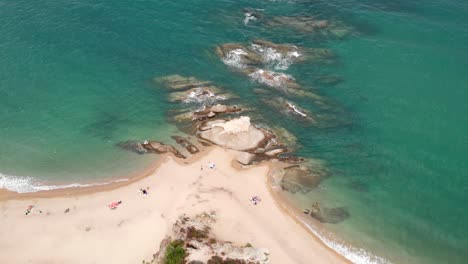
97, 186
83, 192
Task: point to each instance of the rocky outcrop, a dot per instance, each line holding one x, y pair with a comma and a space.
185, 143
274, 79
199, 95
193, 234
262, 53
237, 134
238, 56
245, 158
215, 110
192, 90
149, 147
160, 148
252, 60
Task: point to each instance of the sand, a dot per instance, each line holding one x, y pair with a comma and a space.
92, 233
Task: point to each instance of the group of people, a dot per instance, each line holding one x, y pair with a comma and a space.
255, 199
211, 165
31, 209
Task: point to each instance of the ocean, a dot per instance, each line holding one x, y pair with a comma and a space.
76, 79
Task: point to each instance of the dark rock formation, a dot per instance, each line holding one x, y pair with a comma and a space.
133, 146
330, 215
160, 148
299, 179
185, 143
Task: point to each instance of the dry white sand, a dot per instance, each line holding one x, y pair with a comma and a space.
92, 233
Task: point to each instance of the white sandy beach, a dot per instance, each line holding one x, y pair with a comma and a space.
92, 233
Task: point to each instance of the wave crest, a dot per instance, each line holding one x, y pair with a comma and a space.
26, 184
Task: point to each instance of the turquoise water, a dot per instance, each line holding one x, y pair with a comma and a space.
75, 79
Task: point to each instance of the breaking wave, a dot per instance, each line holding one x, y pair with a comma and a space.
270, 78
234, 58
277, 59
354, 254
25, 184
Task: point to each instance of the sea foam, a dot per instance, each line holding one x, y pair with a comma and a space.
354, 254
275, 58
234, 58
25, 184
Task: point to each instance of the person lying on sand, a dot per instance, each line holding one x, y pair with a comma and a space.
114, 205
31, 209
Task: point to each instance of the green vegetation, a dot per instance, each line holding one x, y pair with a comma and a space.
175, 253
248, 245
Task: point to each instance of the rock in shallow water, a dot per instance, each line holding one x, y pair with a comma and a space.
330, 215
299, 179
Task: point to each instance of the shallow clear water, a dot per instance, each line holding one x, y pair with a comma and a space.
75, 79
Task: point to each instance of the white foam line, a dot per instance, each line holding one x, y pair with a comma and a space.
24, 184
353, 254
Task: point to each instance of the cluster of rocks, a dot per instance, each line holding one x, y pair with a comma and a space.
194, 236
156, 147
304, 24
192, 90
254, 61
252, 143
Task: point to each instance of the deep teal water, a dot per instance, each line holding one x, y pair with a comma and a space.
75, 79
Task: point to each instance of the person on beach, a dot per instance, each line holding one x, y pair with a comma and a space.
31, 209
114, 205
211, 165
255, 199
143, 191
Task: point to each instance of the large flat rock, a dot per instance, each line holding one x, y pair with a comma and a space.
237, 134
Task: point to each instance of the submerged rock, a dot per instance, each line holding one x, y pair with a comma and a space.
251, 15
133, 146
328, 79
330, 215
237, 134
312, 25
289, 108
299, 179
178, 82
